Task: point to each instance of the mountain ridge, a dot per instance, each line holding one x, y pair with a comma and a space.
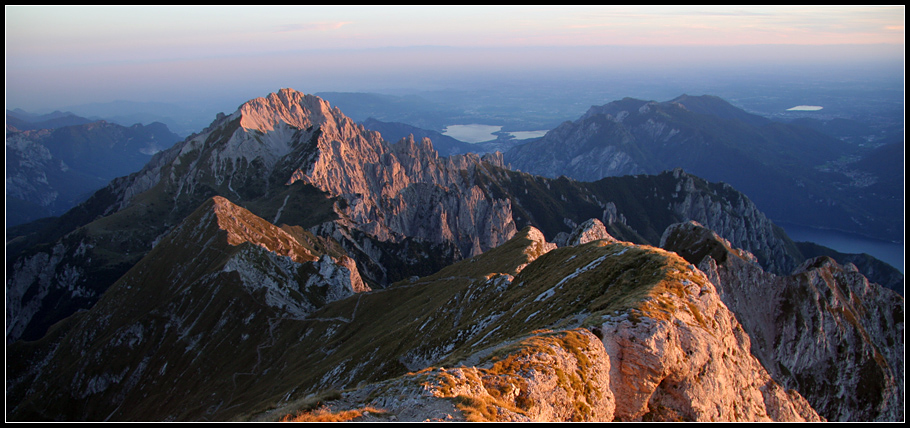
528, 246
448, 207
244, 269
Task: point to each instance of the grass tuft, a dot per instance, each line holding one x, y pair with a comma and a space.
324, 414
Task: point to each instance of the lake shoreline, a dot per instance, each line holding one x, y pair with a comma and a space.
476, 133
889, 252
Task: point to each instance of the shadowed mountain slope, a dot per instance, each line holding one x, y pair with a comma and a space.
789, 171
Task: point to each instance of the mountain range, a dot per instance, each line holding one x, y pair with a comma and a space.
795, 174
288, 262
21, 120
55, 161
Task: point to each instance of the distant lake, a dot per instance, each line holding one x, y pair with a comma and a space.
805, 108
473, 133
523, 135
888, 252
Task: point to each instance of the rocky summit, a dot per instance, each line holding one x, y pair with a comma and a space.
286, 263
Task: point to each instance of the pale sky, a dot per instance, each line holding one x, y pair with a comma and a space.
105, 53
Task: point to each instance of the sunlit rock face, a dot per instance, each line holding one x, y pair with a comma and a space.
825, 330
591, 230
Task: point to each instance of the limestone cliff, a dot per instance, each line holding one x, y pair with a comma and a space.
825, 330
748, 228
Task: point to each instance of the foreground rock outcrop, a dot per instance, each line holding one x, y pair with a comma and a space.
599, 331
825, 330
634, 334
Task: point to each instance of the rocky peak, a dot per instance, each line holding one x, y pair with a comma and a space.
410, 145
591, 230
494, 158
405, 188
237, 153
289, 136
748, 228
265, 258
287, 106
539, 245
694, 242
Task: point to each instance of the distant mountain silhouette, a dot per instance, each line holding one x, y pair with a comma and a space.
48, 171
792, 172
24, 121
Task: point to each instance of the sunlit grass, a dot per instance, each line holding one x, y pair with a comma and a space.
324, 414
